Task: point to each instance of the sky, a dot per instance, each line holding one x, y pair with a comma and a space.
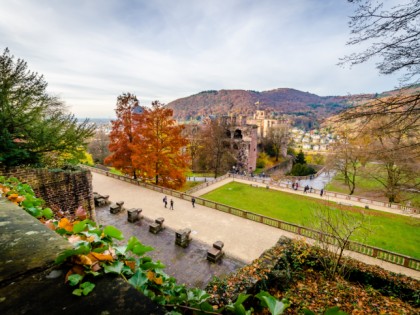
91, 51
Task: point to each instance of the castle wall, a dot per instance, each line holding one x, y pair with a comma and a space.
61, 189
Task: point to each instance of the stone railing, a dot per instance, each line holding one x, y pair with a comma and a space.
344, 197
367, 250
206, 184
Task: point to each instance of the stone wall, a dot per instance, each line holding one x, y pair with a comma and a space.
271, 268
61, 189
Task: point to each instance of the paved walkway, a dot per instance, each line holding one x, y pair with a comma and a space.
188, 265
244, 239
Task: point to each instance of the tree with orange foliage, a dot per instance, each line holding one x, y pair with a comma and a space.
122, 134
159, 148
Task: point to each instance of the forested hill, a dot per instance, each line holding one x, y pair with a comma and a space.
286, 101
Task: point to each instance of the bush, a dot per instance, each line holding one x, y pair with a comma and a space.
302, 170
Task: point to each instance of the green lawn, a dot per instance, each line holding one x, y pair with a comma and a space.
392, 232
115, 171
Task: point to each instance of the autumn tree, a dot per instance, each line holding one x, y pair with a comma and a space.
159, 149
34, 126
122, 134
392, 38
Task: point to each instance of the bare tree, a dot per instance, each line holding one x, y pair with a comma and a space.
392, 36
337, 227
217, 151
347, 156
277, 137
98, 146
396, 172
192, 133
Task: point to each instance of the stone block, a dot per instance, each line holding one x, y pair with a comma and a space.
134, 215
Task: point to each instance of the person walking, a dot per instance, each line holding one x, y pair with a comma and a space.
172, 205
322, 192
165, 201
193, 202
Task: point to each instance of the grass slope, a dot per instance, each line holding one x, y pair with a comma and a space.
391, 232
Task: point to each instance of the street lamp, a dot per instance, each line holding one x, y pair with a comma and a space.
233, 171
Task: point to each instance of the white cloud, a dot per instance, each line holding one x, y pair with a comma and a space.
91, 51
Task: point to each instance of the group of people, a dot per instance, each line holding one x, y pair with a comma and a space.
165, 201
171, 202
307, 189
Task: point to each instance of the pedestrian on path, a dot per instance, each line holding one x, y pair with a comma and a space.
322, 192
172, 205
165, 201
193, 202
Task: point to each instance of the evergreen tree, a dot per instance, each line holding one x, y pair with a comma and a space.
34, 124
300, 158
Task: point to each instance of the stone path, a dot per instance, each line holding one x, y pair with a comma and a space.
188, 265
244, 240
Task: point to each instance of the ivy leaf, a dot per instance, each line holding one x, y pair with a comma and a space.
77, 292
87, 287
135, 246
120, 250
138, 279
152, 265
79, 227
80, 250
47, 213
74, 279
116, 267
34, 211
113, 232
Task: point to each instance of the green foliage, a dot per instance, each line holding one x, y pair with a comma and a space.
85, 288
300, 158
263, 160
275, 306
24, 196
237, 307
302, 170
34, 126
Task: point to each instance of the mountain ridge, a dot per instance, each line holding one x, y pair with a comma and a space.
304, 106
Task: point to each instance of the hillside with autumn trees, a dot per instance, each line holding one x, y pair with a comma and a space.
303, 106
283, 101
